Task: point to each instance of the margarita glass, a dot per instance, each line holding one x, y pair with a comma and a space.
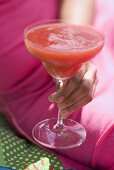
62, 48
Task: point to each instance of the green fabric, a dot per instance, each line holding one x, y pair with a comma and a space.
2, 163
18, 153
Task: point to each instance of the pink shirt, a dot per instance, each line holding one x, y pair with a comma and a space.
21, 75
15, 61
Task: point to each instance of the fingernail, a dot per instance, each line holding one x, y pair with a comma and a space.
62, 106
60, 99
64, 115
52, 97
49, 98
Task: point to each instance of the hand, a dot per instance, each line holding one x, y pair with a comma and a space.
77, 91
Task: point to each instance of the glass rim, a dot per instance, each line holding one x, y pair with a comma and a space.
56, 21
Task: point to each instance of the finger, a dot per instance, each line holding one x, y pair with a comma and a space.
75, 96
94, 86
85, 88
66, 112
67, 88
92, 90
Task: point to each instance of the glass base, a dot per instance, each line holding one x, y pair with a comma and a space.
48, 134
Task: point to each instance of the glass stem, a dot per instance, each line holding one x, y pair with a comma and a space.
59, 119
59, 124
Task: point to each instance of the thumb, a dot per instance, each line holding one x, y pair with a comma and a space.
52, 97
56, 97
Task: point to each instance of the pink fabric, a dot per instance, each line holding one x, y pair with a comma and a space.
25, 85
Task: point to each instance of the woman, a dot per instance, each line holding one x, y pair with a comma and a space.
22, 90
